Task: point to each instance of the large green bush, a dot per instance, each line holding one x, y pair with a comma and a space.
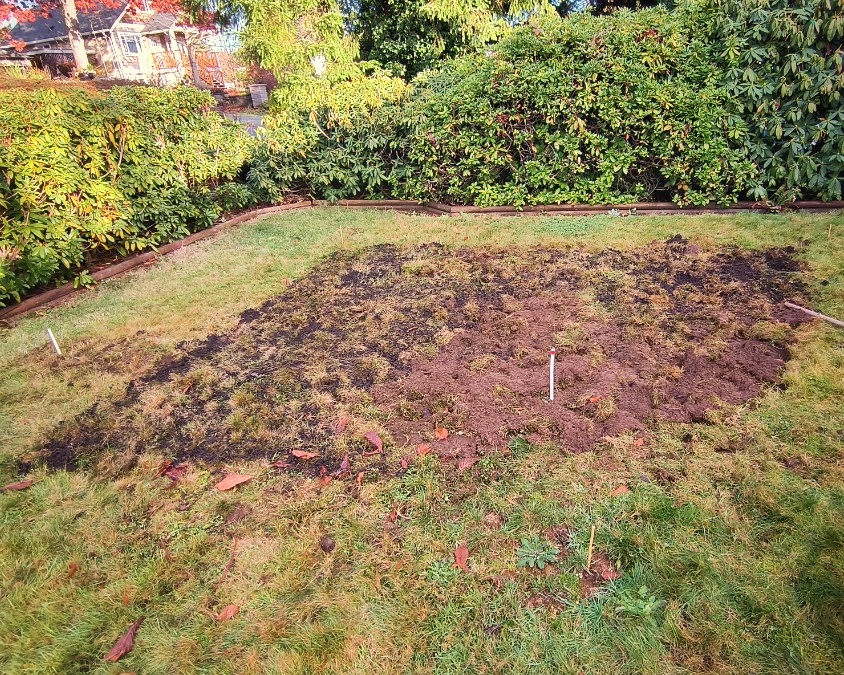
340, 147
84, 174
587, 109
783, 63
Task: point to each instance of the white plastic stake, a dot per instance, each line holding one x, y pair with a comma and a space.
551, 374
53, 340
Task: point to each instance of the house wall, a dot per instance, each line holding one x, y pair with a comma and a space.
159, 59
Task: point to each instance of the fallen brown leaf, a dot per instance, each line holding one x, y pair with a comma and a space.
228, 612
325, 480
125, 643
461, 557
375, 439
620, 490
359, 479
20, 485
340, 425
280, 464
404, 463
423, 449
72, 569
231, 481
327, 544
126, 597
441, 432
394, 514
304, 454
639, 442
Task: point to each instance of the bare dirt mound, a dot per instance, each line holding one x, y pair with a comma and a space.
400, 341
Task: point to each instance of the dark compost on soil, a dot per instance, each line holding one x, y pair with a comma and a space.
406, 339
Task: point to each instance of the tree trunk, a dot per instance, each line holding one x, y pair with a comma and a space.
77, 44
194, 68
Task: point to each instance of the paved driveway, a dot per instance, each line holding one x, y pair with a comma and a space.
250, 121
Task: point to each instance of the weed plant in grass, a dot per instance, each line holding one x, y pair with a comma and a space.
728, 542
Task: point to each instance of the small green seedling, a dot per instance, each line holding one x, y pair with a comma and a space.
442, 572
536, 553
641, 603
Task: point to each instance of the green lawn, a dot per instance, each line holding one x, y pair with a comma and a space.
735, 564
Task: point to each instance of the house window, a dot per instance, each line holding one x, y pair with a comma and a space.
131, 43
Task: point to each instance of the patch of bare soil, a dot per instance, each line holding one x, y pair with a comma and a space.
400, 341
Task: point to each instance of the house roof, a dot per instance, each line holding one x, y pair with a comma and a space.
159, 23
53, 27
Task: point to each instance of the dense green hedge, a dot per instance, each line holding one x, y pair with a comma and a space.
587, 109
83, 173
715, 100
783, 65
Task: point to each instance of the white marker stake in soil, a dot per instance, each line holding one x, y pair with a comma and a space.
53, 340
551, 374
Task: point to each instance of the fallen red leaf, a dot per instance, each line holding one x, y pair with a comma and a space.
467, 462
232, 480
375, 439
325, 480
639, 442
125, 643
404, 463
461, 557
126, 597
176, 472
20, 485
393, 514
280, 464
441, 433
162, 469
620, 490
359, 479
423, 449
228, 612
304, 454
340, 425
72, 569
594, 399
345, 467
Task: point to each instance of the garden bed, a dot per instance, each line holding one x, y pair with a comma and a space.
446, 351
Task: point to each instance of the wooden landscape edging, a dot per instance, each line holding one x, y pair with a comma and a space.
45, 298
431, 208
